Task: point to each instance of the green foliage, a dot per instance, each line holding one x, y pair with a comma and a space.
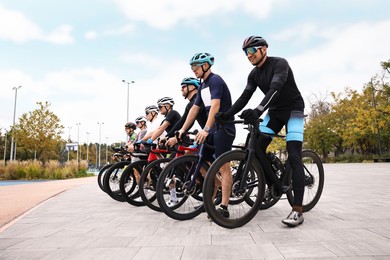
34, 170
356, 121
39, 132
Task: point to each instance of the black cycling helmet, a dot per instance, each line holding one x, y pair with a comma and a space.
254, 41
131, 125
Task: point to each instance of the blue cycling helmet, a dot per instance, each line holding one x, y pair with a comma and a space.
191, 81
202, 57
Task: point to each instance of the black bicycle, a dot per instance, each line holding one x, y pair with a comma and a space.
179, 186
259, 189
150, 175
120, 154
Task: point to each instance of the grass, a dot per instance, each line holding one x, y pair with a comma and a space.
36, 170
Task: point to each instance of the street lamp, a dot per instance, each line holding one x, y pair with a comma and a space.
69, 127
5, 144
128, 93
78, 140
100, 136
106, 150
11, 156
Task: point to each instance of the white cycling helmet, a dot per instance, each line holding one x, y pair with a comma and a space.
165, 101
151, 108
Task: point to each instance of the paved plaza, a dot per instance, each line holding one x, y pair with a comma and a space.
351, 221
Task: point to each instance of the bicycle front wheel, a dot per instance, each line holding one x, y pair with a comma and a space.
314, 180
148, 182
250, 195
100, 177
179, 187
128, 183
111, 180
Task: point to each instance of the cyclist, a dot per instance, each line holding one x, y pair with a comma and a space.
165, 106
285, 105
151, 114
214, 94
141, 124
189, 90
130, 130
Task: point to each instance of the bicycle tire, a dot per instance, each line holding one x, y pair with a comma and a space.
240, 213
148, 182
127, 184
111, 180
314, 180
100, 177
180, 170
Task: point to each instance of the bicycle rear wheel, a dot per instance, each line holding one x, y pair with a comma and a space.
148, 182
314, 180
251, 197
111, 180
176, 178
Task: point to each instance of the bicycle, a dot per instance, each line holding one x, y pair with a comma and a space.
182, 177
129, 180
249, 180
120, 154
111, 181
151, 173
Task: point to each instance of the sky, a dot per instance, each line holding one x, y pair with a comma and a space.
76, 54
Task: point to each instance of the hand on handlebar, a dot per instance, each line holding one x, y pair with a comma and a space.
171, 141
201, 137
250, 115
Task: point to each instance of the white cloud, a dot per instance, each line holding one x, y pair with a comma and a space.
348, 57
91, 35
15, 26
165, 14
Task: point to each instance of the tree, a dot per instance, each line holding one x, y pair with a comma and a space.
39, 133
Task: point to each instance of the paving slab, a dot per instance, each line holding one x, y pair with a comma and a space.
351, 221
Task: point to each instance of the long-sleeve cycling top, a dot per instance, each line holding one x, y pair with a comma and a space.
201, 118
276, 80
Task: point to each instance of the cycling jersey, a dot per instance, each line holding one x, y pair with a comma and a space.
214, 87
172, 117
276, 80
201, 117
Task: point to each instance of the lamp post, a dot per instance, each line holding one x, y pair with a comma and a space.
87, 145
78, 139
128, 93
100, 137
5, 144
106, 150
69, 127
11, 156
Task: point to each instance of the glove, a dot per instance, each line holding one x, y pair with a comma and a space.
150, 141
138, 142
220, 117
250, 115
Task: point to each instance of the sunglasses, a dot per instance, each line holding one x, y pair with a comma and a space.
251, 50
195, 66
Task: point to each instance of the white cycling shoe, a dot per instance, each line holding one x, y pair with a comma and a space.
293, 219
